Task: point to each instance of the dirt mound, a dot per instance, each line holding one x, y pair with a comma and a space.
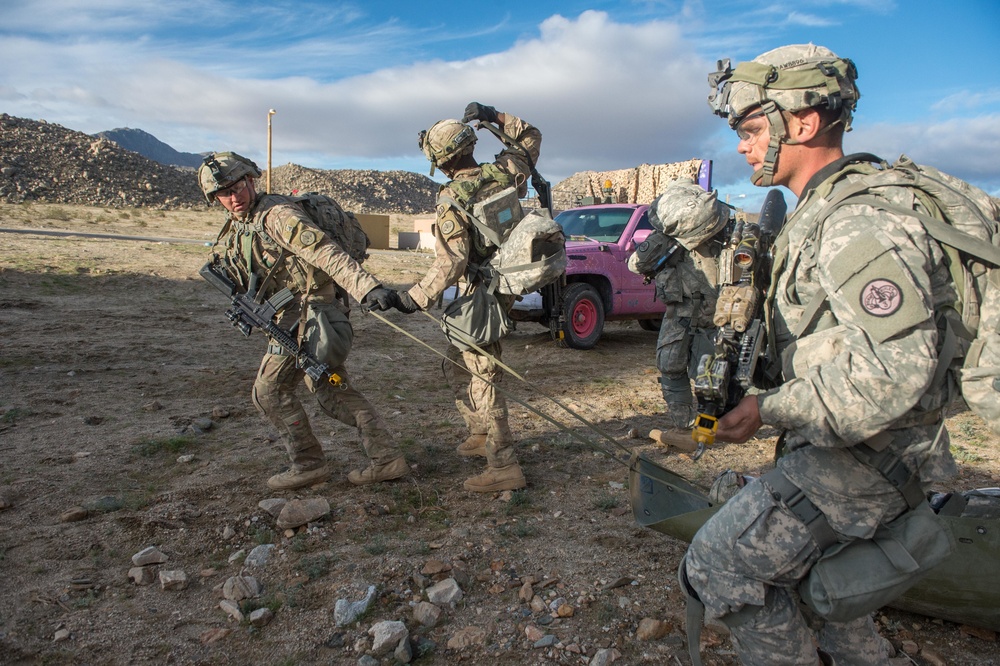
47, 163
40, 161
362, 191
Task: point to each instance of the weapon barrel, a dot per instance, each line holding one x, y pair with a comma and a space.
772, 213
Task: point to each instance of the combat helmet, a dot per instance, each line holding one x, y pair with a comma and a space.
220, 170
445, 141
789, 78
687, 213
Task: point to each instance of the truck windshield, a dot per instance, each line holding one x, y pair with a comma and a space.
600, 224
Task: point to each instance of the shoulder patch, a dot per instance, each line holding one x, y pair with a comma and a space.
308, 237
871, 281
881, 297
448, 227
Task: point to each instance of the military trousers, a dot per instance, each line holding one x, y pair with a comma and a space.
745, 564
483, 408
274, 394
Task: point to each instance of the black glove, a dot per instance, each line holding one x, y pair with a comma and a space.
404, 303
380, 298
476, 111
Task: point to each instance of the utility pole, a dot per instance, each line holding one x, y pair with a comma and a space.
270, 113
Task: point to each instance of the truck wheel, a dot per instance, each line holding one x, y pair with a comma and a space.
584, 314
650, 324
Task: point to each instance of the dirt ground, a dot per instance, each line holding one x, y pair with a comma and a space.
111, 350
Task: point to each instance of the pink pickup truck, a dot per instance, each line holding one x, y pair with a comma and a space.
599, 286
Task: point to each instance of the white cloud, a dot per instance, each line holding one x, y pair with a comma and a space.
605, 94
963, 147
968, 100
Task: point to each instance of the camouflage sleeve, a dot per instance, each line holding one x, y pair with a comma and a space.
295, 232
669, 287
864, 374
512, 161
451, 256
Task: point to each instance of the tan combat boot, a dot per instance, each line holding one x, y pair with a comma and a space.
474, 445
497, 478
393, 469
292, 479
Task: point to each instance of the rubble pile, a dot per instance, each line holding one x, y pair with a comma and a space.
361, 191
44, 162
639, 184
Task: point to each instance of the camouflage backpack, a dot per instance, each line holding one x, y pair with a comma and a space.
966, 222
342, 225
524, 252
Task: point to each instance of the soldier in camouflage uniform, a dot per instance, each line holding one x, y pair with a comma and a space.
852, 312
269, 243
688, 286
459, 249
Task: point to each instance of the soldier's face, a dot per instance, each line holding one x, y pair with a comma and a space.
238, 197
754, 133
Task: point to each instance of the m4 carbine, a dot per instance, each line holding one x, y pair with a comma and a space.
247, 314
740, 339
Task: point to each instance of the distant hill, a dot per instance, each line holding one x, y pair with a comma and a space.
360, 190
149, 146
45, 162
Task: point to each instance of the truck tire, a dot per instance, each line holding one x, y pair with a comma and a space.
583, 311
650, 324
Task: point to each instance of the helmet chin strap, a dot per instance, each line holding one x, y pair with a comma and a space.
764, 176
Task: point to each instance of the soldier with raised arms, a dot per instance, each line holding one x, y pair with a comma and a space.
460, 249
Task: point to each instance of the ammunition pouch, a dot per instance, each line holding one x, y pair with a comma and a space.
854, 579
328, 334
475, 320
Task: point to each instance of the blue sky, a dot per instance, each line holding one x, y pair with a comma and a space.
611, 84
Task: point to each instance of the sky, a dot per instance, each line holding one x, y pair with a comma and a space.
610, 84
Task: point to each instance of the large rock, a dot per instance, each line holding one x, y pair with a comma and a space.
386, 636
300, 512
445, 592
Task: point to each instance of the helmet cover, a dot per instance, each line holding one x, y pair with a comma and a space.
687, 213
446, 140
220, 170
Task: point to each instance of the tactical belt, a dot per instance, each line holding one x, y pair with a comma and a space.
894, 470
789, 494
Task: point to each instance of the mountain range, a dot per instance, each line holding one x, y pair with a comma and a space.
149, 146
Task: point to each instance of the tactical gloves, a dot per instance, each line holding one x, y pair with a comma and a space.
404, 303
380, 298
476, 111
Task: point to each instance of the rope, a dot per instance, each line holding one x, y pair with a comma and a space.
516, 399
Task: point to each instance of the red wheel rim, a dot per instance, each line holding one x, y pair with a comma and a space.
584, 319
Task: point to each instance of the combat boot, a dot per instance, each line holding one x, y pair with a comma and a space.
474, 445
497, 478
292, 479
393, 469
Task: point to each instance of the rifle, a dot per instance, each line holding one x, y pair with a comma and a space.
247, 314
542, 187
725, 375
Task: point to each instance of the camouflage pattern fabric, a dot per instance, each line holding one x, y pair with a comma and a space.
485, 409
688, 214
278, 231
689, 290
289, 231
858, 371
274, 395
